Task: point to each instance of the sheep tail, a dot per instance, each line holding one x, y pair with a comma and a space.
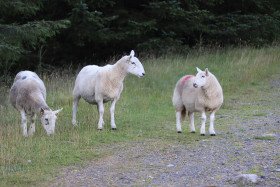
183, 114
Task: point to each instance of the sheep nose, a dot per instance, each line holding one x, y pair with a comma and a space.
195, 85
143, 74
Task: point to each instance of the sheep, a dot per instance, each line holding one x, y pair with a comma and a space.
200, 93
98, 85
28, 95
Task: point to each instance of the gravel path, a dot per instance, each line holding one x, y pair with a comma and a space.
247, 145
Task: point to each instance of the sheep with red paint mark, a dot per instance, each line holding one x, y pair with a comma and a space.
201, 93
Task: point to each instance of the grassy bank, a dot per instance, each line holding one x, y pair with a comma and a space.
143, 112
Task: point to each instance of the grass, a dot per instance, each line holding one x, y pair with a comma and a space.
270, 138
143, 112
256, 170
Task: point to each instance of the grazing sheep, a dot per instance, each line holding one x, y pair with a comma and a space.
200, 93
28, 95
98, 85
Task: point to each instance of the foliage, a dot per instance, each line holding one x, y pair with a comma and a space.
38, 34
242, 29
21, 35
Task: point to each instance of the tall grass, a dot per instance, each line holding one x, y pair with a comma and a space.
144, 111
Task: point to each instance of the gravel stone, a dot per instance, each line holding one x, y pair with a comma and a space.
246, 179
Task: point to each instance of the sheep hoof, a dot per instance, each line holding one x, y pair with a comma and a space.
114, 129
193, 132
202, 134
213, 134
179, 131
99, 129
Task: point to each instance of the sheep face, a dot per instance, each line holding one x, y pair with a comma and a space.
135, 67
200, 78
48, 119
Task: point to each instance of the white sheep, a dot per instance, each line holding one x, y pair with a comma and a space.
28, 95
98, 85
200, 93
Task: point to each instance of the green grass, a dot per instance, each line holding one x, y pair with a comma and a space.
143, 112
264, 138
256, 170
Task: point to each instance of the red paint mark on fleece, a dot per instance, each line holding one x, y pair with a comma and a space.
187, 78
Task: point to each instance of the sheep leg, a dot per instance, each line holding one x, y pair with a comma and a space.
75, 108
178, 121
32, 125
98, 112
211, 128
101, 112
23, 123
191, 119
202, 129
112, 110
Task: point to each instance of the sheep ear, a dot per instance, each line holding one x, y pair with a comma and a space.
198, 70
128, 59
42, 112
206, 71
132, 53
130, 56
57, 112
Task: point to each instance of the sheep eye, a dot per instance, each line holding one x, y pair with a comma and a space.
133, 63
203, 76
47, 121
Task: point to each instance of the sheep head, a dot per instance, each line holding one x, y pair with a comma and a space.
134, 67
201, 78
48, 119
